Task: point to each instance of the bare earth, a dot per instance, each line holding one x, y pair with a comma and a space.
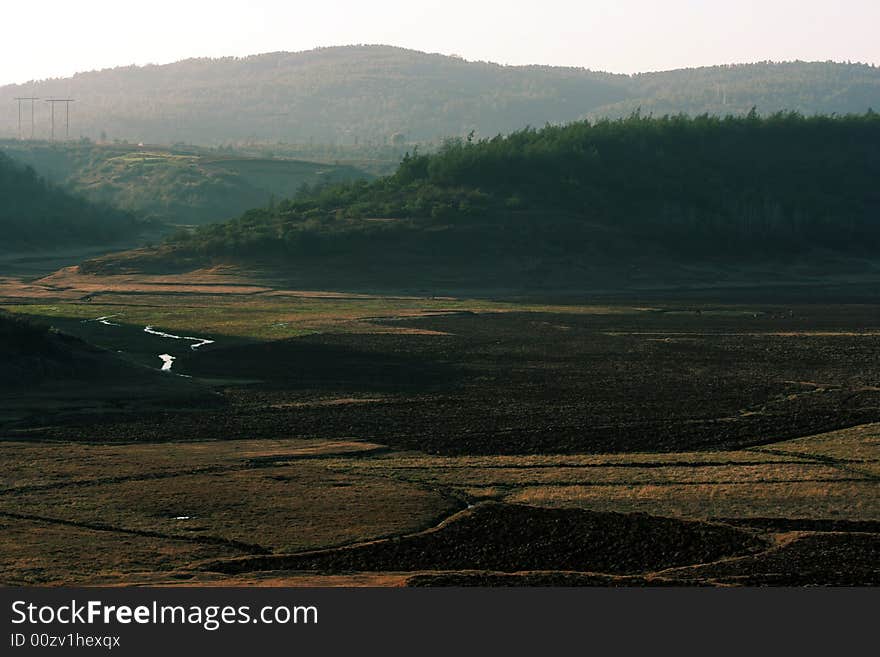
356, 439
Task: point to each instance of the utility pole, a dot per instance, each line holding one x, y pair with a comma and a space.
31, 99
67, 102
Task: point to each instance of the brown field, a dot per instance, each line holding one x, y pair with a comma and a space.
288, 496
37, 552
359, 439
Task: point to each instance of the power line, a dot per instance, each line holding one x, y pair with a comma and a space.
67, 102
31, 99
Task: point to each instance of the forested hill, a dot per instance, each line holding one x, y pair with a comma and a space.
35, 215
806, 87
379, 94
343, 94
564, 199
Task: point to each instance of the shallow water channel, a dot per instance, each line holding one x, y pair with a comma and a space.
167, 359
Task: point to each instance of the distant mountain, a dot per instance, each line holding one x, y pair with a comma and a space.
806, 87
36, 215
380, 94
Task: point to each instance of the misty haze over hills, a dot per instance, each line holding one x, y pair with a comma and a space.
367, 316
380, 94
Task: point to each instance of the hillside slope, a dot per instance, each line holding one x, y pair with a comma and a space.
174, 185
559, 203
33, 353
378, 94
47, 375
35, 215
805, 87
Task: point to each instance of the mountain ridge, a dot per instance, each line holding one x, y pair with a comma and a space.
375, 94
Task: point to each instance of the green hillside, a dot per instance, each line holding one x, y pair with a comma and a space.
174, 185
563, 199
36, 215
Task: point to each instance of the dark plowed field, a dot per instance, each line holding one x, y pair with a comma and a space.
846, 559
511, 538
536, 579
520, 383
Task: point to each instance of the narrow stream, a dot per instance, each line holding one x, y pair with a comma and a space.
105, 320
168, 359
198, 342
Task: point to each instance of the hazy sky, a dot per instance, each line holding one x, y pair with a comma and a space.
57, 38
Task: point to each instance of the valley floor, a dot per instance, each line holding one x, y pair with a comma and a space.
390, 440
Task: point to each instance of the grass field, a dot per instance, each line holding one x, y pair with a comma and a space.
366, 439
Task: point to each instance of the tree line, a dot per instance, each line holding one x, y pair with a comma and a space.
706, 186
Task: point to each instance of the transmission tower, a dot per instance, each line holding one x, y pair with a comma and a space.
67, 102
31, 99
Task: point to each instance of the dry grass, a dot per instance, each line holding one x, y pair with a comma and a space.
782, 483
228, 301
292, 579
826, 500
856, 444
49, 554
45, 464
292, 495
686, 475
297, 507
415, 460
